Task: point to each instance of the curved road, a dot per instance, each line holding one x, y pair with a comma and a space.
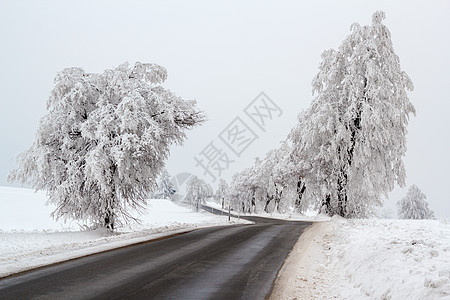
232, 262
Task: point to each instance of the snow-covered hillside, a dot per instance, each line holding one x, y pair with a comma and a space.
369, 259
29, 238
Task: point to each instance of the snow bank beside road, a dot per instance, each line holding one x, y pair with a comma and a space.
369, 259
29, 238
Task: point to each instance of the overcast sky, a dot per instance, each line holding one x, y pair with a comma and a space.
223, 54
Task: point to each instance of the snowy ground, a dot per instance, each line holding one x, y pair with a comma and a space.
369, 259
29, 238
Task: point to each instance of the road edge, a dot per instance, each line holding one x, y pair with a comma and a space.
304, 249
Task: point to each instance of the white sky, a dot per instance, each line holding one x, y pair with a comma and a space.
223, 55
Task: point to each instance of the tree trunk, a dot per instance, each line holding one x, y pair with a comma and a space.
278, 195
354, 128
327, 204
110, 214
269, 199
301, 187
109, 220
253, 204
341, 208
111, 202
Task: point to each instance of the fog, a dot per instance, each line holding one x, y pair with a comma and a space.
224, 55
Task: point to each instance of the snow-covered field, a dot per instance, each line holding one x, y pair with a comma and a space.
369, 259
29, 238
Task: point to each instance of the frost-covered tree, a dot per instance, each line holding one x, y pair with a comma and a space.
222, 192
414, 205
165, 189
300, 157
355, 130
261, 187
271, 180
104, 140
243, 188
197, 191
276, 181
210, 190
385, 213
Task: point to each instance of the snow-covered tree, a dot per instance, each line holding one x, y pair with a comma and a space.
269, 181
414, 205
210, 190
197, 191
165, 189
104, 140
299, 159
222, 192
285, 183
243, 188
385, 213
261, 187
355, 130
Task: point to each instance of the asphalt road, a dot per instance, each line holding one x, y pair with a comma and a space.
232, 262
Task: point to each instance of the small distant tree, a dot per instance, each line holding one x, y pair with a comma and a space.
385, 213
275, 178
243, 188
197, 192
414, 205
104, 140
222, 192
165, 188
210, 193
